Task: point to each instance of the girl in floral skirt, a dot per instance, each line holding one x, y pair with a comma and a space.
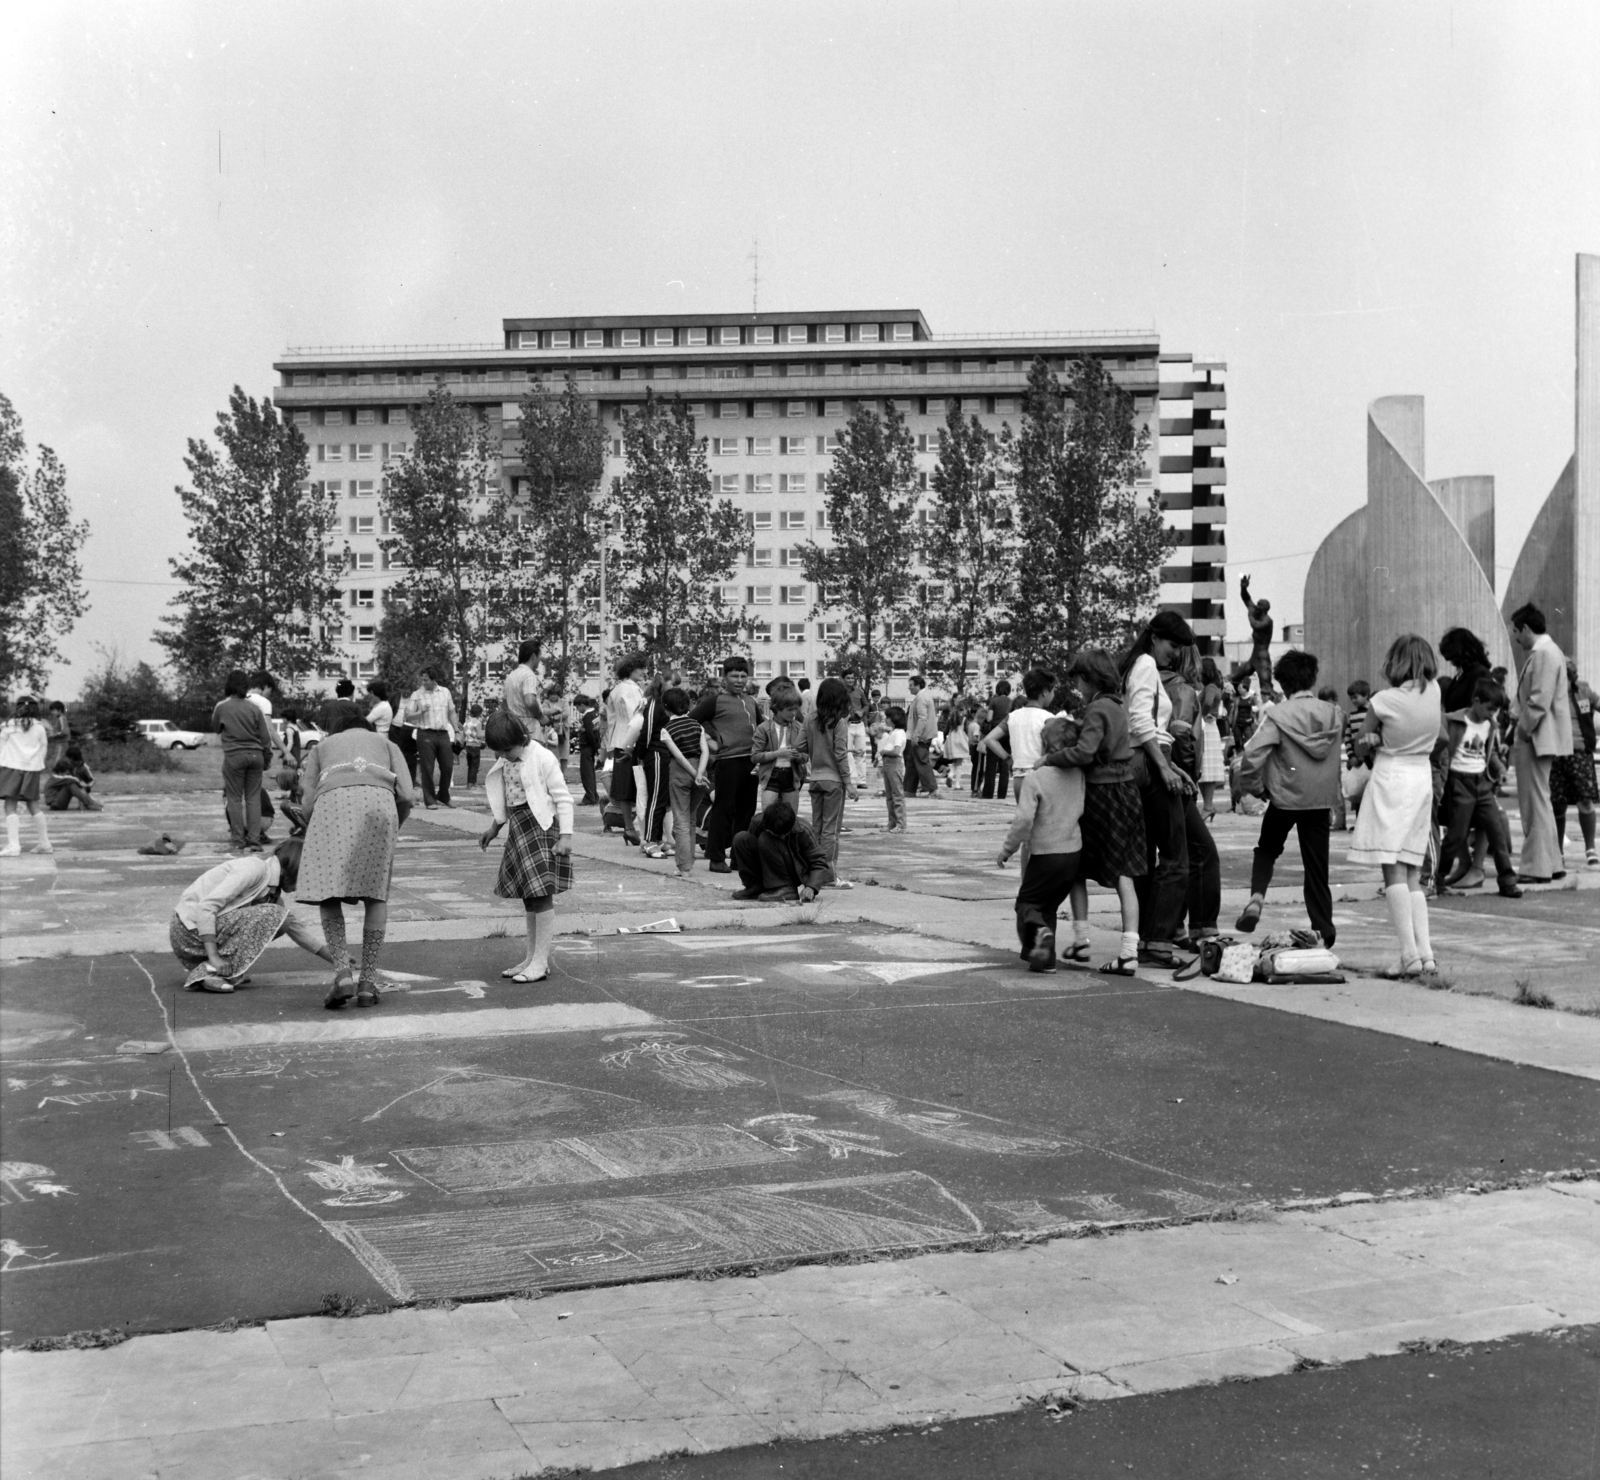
527, 792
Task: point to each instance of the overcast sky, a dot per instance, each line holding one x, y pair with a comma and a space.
1341, 200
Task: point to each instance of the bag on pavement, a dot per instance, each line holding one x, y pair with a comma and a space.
1237, 963
1291, 964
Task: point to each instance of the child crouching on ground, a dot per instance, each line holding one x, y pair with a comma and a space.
526, 790
892, 757
1046, 827
1114, 849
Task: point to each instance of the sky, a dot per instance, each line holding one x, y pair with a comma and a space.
1341, 201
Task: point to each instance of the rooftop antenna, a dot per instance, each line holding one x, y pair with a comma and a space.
755, 276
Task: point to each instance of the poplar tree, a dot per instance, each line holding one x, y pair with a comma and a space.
678, 543
41, 582
1092, 548
970, 544
258, 590
865, 572
563, 451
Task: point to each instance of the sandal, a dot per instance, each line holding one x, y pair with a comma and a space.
367, 996
1405, 972
341, 991
1249, 917
511, 973
1122, 966
1078, 951
522, 979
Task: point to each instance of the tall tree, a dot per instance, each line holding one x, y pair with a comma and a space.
970, 544
41, 582
451, 532
407, 642
563, 460
866, 571
258, 589
678, 543
1092, 548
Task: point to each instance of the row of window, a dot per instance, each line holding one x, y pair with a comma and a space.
361, 416
359, 487
728, 334
832, 410
332, 452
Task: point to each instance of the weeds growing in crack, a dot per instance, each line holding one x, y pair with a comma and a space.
345, 1307
1528, 995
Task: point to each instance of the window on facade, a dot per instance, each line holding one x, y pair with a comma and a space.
761, 483
760, 446
332, 452
758, 595
902, 405
902, 331
797, 408
833, 408
694, 336
727, 372
792, 632
335, 486
632, 372
727, 483
828, 442
696, 372
661, 336
365, 452
794, 667
763, 372
365, 560
763, 667
901, 668
833, 334
728, 595
397, 416
795, 334
725, 446
787, 556
760, 557
761, 519
664, 372
765, 408
628, 338
829, 632
1005, 405
761, 632
528, 339
305, 380
822, 519
729, 408
700, 410
727, 336
302, 418
761, 334
361, 524
792, 519
364, 634
792, 595
794, 482
333, 418
867, 333
935, 407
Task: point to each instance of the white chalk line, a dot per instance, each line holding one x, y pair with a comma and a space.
382, 1272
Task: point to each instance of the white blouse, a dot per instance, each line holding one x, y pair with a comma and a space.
542, 783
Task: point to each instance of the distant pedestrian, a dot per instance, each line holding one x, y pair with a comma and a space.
624, 701
520, 690
1572, 778
997, 768
24, 744
528, 794
731, 716
247, 739
1543, 732
59, 731
778, 857
655, 765
685, 743
356, 793
957, 749
1016, 737
1294, 757
1476, 763
431, 712
1214, 752
472, 741
828, 768
777, 750
589, 739
1396, 819
922, 724
381, 713
1047, 827
891, 757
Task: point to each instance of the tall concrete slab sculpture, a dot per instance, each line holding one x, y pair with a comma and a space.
1418, 558
1559, 567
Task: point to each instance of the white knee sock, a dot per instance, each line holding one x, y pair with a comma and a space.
41, 833
1080, 930
544, 928
1128, 948
1398, 898
13, 833
1419, 924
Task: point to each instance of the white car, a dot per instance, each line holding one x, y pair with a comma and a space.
165, 735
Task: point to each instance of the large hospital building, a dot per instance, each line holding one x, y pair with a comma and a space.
768, 391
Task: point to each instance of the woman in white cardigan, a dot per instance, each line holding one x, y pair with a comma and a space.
527, 792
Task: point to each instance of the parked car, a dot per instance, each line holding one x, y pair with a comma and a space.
165, 735
309, 734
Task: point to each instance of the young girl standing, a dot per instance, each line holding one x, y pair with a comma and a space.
1114, 851
956, 749
1396, 817
775, 750
892, 757
24, 742
827, 751
527, 791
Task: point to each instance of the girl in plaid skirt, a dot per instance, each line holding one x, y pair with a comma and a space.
527, 792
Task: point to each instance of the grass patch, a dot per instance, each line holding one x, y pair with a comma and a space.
347, 1307
77, 1341
1528, 995
127, 756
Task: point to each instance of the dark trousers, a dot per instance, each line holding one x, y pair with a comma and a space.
1046, 882
1468, 803
980, 764
474, 755
591, 794
1164, 890
657, 794
405, 739
1312, 825
241, 794
734, 806
764, 863
919, 769
1204, 898
433, 749
996, 776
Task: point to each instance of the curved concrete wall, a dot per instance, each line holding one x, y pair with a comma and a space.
1545, 572
1469, 502
1336, 604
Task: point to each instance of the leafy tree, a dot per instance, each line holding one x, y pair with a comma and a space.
452, 533
677, 542
866, 571
41, 582
258, 590
970, 543
1092, 550
115, 697
408, 641
563, 459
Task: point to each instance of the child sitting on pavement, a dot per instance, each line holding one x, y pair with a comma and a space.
779, 859
1294, 756
1047, 828
1476, 766
70, 781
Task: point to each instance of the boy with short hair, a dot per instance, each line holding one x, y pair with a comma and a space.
1476, 766
1046, 827
683, 740
472, 741
1357, 763
588, 746
892, 757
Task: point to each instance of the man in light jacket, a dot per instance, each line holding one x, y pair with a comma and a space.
922, 724
1294, 757
1544, 731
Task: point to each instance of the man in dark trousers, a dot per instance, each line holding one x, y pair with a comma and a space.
922, 724
731, 716
779, 859
997, 769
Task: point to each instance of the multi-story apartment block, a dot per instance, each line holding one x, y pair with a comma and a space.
769, 392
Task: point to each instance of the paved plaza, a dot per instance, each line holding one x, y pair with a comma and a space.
791, 1172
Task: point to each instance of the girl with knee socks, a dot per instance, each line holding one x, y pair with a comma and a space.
24, 742
528, 794
1396, 818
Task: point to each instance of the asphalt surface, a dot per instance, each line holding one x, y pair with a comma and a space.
667, 1105
1520, 1408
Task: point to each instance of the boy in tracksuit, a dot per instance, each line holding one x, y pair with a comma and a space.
1295, 756
1476, 766
1046, 827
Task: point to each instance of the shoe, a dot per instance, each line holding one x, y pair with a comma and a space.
1560, 873
633, 840
1121, 966
1593, 858
747, 894
1405, 972
1510, 891
720, 868
1077, 952
367, 996
1043, 955
41, 848
522, 979
340, 992
1249, 917
1535, 878
779, 896
431, 806
9, 852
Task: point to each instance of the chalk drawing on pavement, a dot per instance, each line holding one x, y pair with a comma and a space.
740, 941
358, 1185
914, 948
23, 1181
99, 1097
653, 1151
890, 972
716, 983
947, 1126
493, 1250
475, 1095
1189, 1204
12, 1251
1103, 1207
1028, 1214
793, 1132
174, 1140
688, 1065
